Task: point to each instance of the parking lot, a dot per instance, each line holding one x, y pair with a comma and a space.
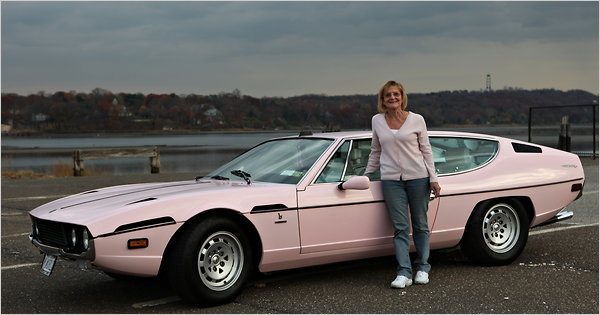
556, 273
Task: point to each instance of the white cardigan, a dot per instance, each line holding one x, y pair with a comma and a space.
401, 154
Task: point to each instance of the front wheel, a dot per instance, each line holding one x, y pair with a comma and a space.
496, 233
211, 262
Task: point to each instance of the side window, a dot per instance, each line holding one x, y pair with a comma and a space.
454, 155
358, 158
335, 167
344, 164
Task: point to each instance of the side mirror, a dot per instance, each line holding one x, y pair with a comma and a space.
356, 182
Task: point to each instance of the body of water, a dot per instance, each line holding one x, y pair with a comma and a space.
199, 153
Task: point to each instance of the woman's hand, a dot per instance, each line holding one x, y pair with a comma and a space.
436, 189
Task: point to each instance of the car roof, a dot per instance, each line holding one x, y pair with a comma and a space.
368, 133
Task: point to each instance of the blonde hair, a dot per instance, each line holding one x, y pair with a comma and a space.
380, 107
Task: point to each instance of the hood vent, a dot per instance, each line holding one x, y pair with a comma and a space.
89, 192
125, 193
140, 201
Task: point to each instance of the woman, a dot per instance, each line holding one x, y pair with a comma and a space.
401, 151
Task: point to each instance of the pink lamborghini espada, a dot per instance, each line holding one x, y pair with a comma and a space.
301, 201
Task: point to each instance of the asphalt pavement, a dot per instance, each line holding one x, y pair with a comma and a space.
556, 273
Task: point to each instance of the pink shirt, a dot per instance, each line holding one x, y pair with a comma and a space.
401, 154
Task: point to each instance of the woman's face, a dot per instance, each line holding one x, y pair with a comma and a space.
392, 98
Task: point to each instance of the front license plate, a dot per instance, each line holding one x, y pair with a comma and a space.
48, 264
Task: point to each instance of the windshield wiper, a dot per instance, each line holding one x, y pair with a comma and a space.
219, 177
242, 174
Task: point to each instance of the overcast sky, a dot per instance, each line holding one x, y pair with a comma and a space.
295, 48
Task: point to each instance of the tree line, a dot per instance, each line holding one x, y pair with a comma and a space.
102, 110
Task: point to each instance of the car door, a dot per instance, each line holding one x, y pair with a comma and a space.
455, 157
330, 219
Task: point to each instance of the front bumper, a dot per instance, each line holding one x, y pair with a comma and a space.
89, 254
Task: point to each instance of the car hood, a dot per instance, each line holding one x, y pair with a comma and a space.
104, 210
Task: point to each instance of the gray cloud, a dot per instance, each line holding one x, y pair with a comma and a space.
316, 47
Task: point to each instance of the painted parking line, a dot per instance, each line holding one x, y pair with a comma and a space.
33, 198
19, 266
16, 235
158, 302
562, 228
172, 299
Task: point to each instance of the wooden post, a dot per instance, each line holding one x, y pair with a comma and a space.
564, 139
77, 163
80, 155
155, 162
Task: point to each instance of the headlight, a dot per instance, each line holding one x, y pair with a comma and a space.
36, 231
86, 240
73, 237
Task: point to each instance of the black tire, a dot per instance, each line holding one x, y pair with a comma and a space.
211, 262
496, 233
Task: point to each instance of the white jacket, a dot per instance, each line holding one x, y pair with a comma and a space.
401, 154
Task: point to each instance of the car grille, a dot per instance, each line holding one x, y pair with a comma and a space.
50, 233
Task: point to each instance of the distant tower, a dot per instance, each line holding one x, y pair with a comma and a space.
488, 82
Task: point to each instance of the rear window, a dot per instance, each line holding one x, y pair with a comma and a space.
457, 155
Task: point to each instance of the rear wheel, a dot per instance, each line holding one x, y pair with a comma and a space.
496, 233
211, 262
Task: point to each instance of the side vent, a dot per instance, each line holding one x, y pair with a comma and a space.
524, 148
145, 224
269, 208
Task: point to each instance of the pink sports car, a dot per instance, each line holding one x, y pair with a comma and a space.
301, 201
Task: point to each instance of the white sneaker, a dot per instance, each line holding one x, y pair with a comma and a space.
400, 282
422, 277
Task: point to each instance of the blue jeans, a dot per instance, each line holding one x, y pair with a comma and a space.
400, 196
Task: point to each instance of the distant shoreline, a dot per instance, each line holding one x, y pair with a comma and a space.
162, 149
105, 133
506, 129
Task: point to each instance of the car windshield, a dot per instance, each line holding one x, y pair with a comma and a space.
283, 161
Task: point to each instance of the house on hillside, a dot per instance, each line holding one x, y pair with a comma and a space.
212, 115
6, 128
121, 109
